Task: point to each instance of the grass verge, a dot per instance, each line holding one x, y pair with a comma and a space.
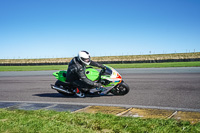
157, 65
134, 65
52, 121
33, 68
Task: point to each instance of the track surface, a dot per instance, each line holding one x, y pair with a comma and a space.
153, 87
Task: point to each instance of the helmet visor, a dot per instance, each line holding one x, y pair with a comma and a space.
87, 60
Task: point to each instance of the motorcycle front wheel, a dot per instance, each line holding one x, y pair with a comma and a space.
120, 89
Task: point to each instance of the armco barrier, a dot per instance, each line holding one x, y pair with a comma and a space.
103, 62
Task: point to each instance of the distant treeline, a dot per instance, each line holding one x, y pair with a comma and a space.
103, 62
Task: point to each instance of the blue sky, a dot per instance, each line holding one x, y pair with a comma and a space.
61, 28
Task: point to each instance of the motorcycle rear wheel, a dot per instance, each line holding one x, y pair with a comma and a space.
121, 89
61, 85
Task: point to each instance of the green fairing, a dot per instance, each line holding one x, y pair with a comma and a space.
91, 74
59, 75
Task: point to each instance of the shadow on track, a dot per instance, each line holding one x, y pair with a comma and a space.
58, 95
53, 95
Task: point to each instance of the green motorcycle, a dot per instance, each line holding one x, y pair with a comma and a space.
110, 79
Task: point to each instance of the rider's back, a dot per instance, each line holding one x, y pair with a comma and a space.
73, 68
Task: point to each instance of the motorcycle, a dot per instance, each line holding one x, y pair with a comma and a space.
110, 79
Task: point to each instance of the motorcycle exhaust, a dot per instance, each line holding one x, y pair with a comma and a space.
59, 89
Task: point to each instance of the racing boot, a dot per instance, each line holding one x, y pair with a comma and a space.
79, 93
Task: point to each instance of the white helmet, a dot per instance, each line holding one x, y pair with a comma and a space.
84, 57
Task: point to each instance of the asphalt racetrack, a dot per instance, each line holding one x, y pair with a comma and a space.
176, 88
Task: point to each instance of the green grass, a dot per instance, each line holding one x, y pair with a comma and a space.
33, 68
157, 65
41, 121
134, 65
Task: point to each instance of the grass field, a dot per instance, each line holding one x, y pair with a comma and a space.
135, 65
40, 121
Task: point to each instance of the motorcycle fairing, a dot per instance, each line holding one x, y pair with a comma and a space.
111, 76
60, 75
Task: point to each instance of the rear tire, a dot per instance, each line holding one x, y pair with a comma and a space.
121, 89
61, 85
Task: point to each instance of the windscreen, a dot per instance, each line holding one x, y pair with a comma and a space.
108, 71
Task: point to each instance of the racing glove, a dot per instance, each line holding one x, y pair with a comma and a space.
103, 69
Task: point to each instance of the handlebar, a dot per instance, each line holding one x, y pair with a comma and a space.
100, 73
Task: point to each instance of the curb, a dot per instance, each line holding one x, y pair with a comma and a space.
191, 116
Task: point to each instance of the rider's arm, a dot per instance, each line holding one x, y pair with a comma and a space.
92, 63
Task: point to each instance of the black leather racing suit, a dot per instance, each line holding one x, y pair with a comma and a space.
76, 74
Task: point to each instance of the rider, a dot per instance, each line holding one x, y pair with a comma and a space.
76, 72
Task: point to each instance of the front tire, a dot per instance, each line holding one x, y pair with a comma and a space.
121, 89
